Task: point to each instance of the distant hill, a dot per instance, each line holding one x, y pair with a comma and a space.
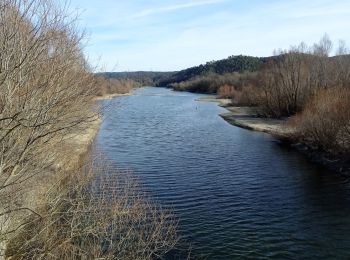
145, 78
231, 64
163, 79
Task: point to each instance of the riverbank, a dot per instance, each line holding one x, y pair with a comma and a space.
111, 96
217, 173
248, 118
72, 150
75, 146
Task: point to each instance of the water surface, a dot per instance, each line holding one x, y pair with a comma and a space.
237, 193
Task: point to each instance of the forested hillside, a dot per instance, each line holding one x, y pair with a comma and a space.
167, 79
144, 78
231, 64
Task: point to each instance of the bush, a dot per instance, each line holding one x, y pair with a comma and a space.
227, 91
106, 86
94, 212
325, 122
200, 84
214, 83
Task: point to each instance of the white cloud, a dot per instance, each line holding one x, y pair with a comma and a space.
181, 39
164, 9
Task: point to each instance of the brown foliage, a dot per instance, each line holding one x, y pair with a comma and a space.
325, 122
223, 85
244, 96
292, 77
95, 213
105, 86
226, 91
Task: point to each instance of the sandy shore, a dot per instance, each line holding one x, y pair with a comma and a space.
224, 102
248, 118
80, 143
110, 96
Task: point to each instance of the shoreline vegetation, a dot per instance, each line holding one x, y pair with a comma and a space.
58, 201
247, 117
300, 95
51, 200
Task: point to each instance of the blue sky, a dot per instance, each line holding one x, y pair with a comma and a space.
164, 35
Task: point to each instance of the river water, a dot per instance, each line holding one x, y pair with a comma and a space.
237, 194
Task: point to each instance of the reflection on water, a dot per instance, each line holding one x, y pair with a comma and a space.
238, 194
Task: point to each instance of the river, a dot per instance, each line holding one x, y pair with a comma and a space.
237, 194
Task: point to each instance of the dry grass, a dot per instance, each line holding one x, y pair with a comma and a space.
95, 212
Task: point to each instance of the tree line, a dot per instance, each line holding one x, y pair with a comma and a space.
232, 64
142, 78
312, 89
305, 84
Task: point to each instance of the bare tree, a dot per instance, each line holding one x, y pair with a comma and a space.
341, 64
284, 82
45, 88
292, 77
324, 47
46, 94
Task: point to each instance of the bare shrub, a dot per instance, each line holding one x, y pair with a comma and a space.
325, 122
248, 96
95, 213
245, 96
202, 84
105, 86
226, 91
223, 85
243, 90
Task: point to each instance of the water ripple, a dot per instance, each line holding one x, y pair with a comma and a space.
237, 193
